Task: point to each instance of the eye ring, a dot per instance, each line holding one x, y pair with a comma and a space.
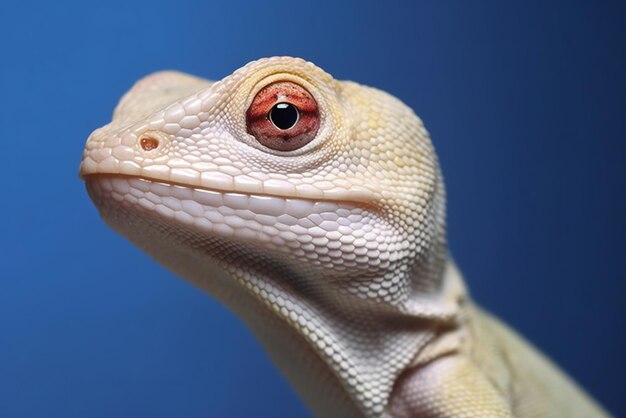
283, 116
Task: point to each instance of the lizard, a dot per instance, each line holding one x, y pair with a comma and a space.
314, 209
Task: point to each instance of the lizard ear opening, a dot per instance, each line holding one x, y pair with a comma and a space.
283, 116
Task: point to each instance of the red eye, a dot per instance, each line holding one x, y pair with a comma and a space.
283, 116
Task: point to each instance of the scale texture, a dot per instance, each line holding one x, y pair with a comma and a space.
328, 242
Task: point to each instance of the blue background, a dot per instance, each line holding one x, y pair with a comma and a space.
525, 104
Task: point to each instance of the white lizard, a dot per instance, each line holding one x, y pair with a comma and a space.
315, 210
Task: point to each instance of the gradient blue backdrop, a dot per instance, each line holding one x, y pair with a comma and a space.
525, 104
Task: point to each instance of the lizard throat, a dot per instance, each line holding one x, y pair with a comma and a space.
341, 252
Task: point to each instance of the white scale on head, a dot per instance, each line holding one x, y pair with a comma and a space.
324, 230
329, 237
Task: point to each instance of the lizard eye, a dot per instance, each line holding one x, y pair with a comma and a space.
283, 116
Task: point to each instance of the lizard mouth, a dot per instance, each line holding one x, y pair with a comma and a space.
280, 220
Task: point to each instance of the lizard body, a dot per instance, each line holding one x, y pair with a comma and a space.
315, 210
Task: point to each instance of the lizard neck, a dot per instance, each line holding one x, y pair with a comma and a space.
345, 362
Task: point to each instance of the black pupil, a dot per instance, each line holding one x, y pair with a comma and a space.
284, 115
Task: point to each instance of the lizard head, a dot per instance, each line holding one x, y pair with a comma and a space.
280, 183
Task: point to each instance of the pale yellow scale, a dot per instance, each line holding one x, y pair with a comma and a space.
322, 225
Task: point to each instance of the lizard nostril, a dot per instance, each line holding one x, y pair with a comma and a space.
148, 143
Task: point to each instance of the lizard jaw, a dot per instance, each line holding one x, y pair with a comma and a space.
322, 232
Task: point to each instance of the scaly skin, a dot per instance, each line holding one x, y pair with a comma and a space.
334, 253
